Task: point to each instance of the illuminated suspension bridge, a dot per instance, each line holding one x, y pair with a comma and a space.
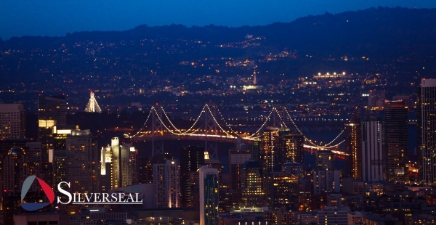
159, 127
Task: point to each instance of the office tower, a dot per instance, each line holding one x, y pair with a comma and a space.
293, 151
326, 181
13, 169
376, 99
51, 113
128, 165
373, 152
253, 194
166, 182
396, 141
209, 189
353, 148
269, 149
12, 121
255, 151
118, 165
34, 157
282, 191
191, 159
324, 160
427, 129
82, 160
237, 158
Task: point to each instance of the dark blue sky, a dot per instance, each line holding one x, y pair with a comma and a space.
57, 17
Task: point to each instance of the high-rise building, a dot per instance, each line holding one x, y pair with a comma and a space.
427, 129
82, 160
209, 197
270, 149
13, 169
373, 150
252, 186
191, 159
118, 165
166, 182
293, 148
237, 158
396, 140
324, 160
282, 191
12, 121
326, 181
353, 148
51, 113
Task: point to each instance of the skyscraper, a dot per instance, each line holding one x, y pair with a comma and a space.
252, 186
191, 159
82, 162
324, 160
12, 121
118, 165
237, 158
373, 152
427, 129
51, 113
209, 197
269, 149
166, 182
396, 135
353, 148
294, 148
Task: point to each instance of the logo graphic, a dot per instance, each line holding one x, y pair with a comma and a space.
45, 187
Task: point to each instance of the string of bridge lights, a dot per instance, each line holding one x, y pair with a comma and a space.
145, 123
214, 119
232, 133
310, 141
225, 121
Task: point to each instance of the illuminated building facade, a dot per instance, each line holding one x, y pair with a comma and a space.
209, 195
427, 129
282, 191
166, 180
270, 146
353, 148
373, 150
118, 165
396, 135
293, 148
12, 121
253, 194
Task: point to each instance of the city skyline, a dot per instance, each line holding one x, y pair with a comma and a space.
329, 119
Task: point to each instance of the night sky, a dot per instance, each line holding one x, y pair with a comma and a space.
57, 17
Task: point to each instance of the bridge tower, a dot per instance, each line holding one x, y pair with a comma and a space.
210, 127
92, 105
156, 130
